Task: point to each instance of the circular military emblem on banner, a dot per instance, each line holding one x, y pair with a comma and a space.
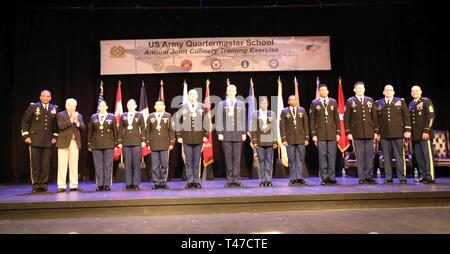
273, 63
245, 63
186, 65
216, 64
158, 66
117, 52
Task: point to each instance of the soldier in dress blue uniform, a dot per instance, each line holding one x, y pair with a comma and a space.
39, 131
132, 139
325, 132
264, 139
160, 140
395, 125
231, 127
102, 141
422, 118
294, 131
361, 126
192, 131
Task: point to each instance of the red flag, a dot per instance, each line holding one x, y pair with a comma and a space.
143, 108
117, 113
161, 91
343, 143
208, 158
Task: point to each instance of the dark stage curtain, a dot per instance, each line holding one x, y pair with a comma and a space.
58, 50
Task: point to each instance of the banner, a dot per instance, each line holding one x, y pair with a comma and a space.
225, 54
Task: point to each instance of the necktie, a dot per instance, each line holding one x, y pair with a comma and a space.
232, 103
325, 104
388, 102
361, 100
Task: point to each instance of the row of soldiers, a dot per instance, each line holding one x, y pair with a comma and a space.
388, 120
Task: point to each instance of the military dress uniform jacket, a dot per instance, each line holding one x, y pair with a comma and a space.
422, 118
40, 124
133, 134
160, 136
231, 124
393, 118
68, 130
102, 136
264, 134
361, 119
294, 131
324, 121
191, 125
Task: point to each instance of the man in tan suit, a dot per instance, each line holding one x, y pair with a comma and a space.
70, 122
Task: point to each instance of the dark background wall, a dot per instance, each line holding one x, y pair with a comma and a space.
401, 43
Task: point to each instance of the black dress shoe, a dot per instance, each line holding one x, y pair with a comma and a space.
155, 186
76, 189
60, 190
429, 181
371, 181
333, 182
262, 184
238, 184
164, 186
292, 182
197, 185
362, 182
388, 181
99, 188
34, 191
403, 182
107, 188
269, 184
188, 186
128, 187
301, 182
422, 180
228, 185
136, 187
324, 182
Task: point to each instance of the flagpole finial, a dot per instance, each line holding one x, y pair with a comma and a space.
120, 82
207, 82
228, 81
340, 79
161, 83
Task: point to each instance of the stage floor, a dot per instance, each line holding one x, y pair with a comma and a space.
21, 193
17, 201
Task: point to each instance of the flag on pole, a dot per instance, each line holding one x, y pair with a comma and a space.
297, 94
185, 100
161, 91
343, 143
317, 88
282, 153
143, 108
118, 111
185, 92
251, 108
208, 157
100, 95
